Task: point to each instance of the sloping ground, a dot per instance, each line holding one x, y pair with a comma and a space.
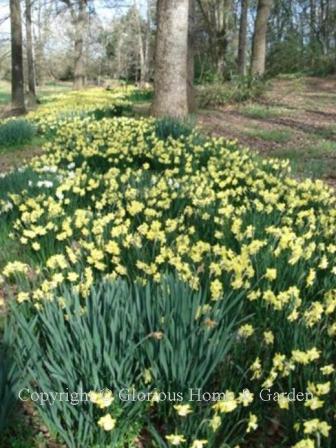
294, 119
17, 158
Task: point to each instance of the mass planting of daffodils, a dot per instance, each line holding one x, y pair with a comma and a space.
116, 201
58, 109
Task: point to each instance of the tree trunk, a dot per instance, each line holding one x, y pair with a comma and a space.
312, 7
30, 59
191, 55
242, 38
171, 59
259, 38
39, 47
80, 30
141, 44
18, 105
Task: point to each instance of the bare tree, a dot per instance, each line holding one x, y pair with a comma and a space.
18, 104
142, 44
79, 16
171, 59
259, 38
218, 19
29, 45
242, 37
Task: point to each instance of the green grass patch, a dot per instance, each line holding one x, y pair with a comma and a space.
5, 92
328, 132
50, 88
315, 160
4, 97
269, 135
322, 148
261, 112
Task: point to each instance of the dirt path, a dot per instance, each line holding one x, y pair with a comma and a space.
295, 119
17, 158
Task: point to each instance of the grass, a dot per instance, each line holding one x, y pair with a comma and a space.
5, 92
275, 135
50, 88
36, 142
329, 132
4, 97
262, 112
321, 148
235, 91
315, 160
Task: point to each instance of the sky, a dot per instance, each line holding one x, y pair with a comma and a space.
103, 12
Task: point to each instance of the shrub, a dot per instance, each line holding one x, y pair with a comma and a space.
237, 90
16, 132
117, 110
147, 338
141, 95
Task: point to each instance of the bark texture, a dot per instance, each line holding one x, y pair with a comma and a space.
171, 59
242, 37
29, 44
259, 38
18, 105
80, 22
191, 55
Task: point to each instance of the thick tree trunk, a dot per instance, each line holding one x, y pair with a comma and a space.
18, 105
80, 30
259, 38
171, 59
29, 43
242, 38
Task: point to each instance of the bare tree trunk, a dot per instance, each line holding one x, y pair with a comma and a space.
312, 4
147, 42
259, 38
80, 21
140, 43
30, 59
18, 105
242, 38
191, 55
171, 59
224, 36
39, 51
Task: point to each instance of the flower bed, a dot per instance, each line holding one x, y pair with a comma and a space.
125, 204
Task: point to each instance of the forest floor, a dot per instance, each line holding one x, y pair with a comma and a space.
294, 119
17, 156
